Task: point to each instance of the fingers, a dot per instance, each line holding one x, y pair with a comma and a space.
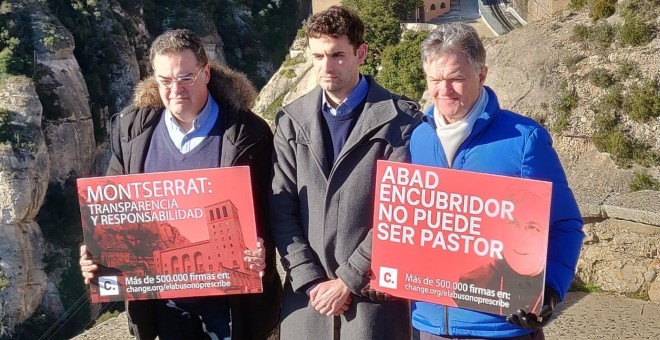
312, 292
375, 295
319, 305
86, 261
330, 307
329, 297
525, 320
88, 277
343, 308
257, 268
516, 318
259, 253
256, 258
513, 319
85, 258
87, 266
255, 261
530, 321
256, 264
326, 309
546, 311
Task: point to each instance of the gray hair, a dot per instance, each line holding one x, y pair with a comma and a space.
177, 41
455, 36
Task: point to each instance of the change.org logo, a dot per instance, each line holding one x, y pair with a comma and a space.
388, 277
108, 285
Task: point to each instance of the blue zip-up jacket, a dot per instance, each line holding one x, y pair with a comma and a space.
503, 143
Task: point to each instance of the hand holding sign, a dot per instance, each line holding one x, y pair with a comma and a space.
531, 320
87, 266
256, 258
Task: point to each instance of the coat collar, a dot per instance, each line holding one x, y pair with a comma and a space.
379, 109
378, 98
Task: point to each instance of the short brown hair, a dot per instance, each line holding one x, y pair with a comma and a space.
335, 22
176, 41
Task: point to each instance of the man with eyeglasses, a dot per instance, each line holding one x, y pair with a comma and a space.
192, 115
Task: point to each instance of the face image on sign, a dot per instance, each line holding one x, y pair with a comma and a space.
526, 246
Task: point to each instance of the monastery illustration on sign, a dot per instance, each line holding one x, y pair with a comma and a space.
221, 253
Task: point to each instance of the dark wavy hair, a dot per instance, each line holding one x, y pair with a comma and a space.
176, 41
335, 22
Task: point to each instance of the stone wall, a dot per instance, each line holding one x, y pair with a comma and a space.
621, 248
621, 253
534, 10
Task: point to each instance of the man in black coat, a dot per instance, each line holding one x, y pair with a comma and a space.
201, 114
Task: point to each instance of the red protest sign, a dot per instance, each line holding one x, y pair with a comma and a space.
170, 234
459, 238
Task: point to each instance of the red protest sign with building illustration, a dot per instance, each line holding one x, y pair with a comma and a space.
170, 234
460, 238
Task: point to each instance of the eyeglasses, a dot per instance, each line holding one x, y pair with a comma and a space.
183, 81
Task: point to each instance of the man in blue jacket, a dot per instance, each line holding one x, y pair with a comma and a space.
466, 129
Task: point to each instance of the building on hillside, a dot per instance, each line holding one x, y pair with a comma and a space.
431, 10
534, 10
221, 253
322, 5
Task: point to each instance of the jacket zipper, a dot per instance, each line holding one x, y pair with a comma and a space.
446, 320
442, 158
